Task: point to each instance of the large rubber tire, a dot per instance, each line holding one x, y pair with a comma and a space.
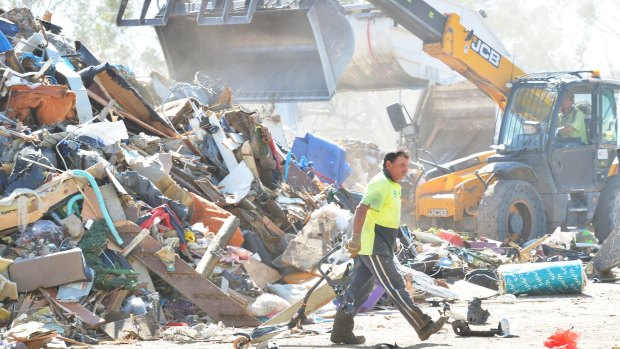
511, 209
607, 214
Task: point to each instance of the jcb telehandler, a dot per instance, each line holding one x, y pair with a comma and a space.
535, 179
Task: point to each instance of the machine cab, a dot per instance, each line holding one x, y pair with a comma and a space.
570, 119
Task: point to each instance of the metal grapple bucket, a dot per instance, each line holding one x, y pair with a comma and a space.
283, 54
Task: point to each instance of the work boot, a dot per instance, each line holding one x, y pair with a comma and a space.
347, 339
431, 328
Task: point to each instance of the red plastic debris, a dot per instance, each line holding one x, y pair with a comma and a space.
175, 324
452, 238
563, 339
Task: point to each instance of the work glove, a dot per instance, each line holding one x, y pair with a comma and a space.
355, 245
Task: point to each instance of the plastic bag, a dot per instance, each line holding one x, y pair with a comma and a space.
291, 293
335, 213
208, 330
40, 238
106, 132
267, 304
134, 305
563, 339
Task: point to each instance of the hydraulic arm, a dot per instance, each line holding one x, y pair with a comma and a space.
446, 39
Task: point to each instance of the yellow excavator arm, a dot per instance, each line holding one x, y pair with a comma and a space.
446, 39
470, 56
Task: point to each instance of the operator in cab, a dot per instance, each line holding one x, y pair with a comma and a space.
571, 119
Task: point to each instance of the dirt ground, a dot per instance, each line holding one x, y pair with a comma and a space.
594, 314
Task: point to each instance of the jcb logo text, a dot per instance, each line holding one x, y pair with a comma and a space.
485, 51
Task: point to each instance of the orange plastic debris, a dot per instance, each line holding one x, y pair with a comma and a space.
51, 103
213, 217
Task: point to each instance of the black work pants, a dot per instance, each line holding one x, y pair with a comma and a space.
365, 270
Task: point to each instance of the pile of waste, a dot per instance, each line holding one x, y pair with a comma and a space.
142, 209
128, 205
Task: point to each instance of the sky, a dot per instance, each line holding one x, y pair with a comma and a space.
558, 21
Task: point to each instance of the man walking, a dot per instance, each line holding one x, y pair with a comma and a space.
375, 228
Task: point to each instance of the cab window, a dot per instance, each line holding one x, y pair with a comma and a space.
609, 115
574, 123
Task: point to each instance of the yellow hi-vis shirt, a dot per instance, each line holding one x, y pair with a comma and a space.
576, 119
383, 218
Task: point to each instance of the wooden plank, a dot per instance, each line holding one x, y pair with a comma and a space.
112, 203
90, 318
272, 227
212, 192
126, 115
90, 206
240, 298
51, 195
187, 281
116, 299
143, 273
321, 296
73, 341
260, 273
248, 157
75, 308
525, 254
53, 305
135, 242
26, 302
117, 185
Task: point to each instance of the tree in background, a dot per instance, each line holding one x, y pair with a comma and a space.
556, 35
94, 24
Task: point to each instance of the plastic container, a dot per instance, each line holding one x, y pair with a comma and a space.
542, 278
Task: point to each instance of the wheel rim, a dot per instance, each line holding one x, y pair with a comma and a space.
519, 222
241, 343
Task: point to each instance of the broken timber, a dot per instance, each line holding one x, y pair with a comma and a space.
50, 194
321, 296
198, 289
135, 242
211, 257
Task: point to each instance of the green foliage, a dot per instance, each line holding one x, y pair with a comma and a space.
92, 244
94, 24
